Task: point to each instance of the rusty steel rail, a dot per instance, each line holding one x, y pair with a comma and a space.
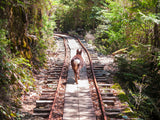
95, 82
60, 79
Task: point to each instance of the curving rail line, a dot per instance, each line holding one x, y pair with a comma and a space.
94, 79
60, 79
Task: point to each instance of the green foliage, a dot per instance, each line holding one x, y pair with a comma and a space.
123, 25
15, 79
150, 17
75, 15
43, 28
145, 5
139, 76
49, 25
121, 94
110, 33
15, 70
18, 70
39, 53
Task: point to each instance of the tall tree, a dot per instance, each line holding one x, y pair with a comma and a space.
156, 41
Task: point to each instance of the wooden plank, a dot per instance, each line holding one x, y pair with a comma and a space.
112, 110
107, 85
107, 94
45, 115
47, 98
112, 114
48, 90
44, 101
108, 102
42, 110
101, 80
109, 98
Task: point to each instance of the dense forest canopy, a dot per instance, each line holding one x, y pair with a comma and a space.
130, 27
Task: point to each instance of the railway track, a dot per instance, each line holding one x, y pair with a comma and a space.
55, 85
51, 103
107, 99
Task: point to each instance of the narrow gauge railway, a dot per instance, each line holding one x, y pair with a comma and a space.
51, 103
52, 97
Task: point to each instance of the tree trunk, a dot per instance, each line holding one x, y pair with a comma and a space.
156, 41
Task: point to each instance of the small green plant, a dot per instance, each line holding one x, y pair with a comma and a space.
90, 42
